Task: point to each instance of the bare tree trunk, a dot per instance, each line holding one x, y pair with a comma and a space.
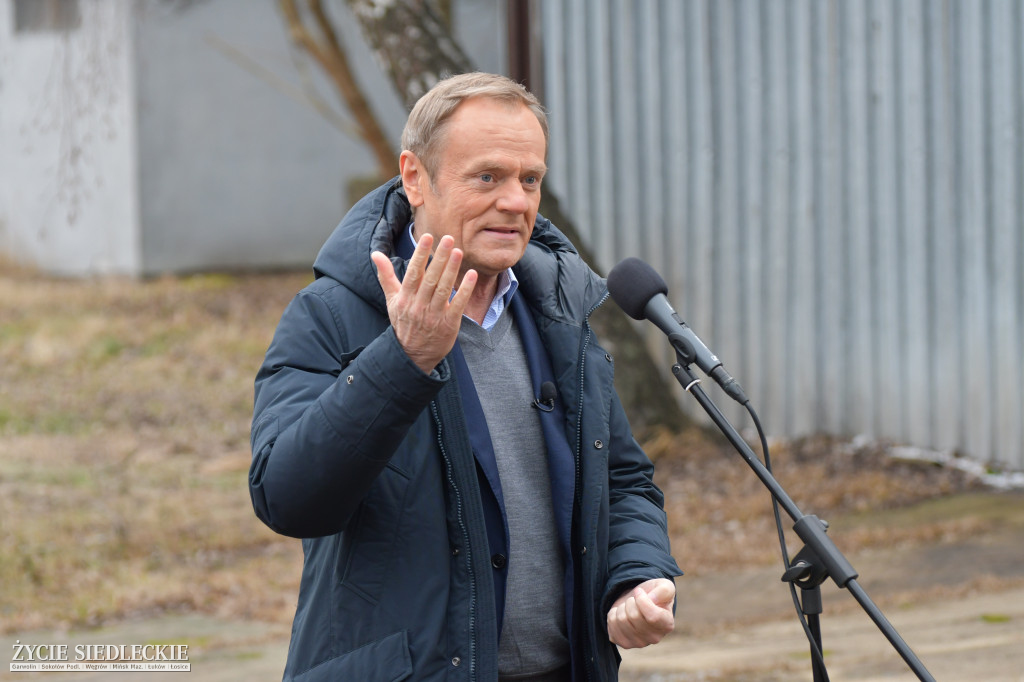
416, 48
640, 383
328, 52
412, 43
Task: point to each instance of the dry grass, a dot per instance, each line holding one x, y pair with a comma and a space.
124, 421
124, 424
720, 513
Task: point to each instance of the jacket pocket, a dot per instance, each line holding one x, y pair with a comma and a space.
369, 543
386, 660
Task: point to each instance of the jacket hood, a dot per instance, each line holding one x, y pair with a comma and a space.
371, 225
551, 274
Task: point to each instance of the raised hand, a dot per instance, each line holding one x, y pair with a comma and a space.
424, 314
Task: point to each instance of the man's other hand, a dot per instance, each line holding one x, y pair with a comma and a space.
642, 615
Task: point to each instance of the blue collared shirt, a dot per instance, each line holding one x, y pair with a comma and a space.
507, 286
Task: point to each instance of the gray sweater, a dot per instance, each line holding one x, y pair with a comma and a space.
533, 635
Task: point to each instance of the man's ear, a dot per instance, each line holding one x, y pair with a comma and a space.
414, 177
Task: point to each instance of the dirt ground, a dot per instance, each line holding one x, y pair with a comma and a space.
124, 514
958, 604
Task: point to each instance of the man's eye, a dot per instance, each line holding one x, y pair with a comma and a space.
531, 180
486, 177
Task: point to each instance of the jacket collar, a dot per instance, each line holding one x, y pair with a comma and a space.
552, 276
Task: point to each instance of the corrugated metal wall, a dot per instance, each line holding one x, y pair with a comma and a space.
832, 189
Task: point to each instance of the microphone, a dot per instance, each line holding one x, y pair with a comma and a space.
640, 291
548, 393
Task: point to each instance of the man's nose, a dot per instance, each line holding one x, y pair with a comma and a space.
513, 198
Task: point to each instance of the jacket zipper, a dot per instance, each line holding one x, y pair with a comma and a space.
465, 537
588, 653
583, 361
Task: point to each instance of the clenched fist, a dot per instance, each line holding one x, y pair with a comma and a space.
643, 615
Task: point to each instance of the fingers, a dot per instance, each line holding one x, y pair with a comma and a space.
641, 617
663, 592
424, 315
418, 262
458, 304
638, 622
425, 276
647, 611
441, 274
432, 275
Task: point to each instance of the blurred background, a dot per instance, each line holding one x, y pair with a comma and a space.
833, 190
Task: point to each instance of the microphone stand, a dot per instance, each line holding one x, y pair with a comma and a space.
819, 558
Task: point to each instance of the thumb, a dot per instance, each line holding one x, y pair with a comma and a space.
662, 592
386, 274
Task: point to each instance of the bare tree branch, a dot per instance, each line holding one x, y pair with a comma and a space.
307, 96
330, 55
412, 43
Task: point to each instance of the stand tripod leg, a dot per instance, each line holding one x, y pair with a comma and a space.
808, 573
812, 608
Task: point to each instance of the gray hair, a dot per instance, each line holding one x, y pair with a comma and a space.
424, 132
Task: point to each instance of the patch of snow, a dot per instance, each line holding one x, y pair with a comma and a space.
1000, 480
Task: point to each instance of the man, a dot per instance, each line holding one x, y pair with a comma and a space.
435, 419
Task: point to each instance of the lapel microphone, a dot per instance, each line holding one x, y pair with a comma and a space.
546, 401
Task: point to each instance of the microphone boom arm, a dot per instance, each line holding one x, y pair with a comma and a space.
824, 555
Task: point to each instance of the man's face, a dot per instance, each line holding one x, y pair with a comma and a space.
486, 188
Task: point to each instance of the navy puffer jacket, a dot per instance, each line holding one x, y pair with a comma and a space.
367, 458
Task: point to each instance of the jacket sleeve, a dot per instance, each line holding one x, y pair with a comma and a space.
638, 544
327, 418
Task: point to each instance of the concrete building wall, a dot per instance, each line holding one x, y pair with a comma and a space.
179, 136
67, 141
237, 168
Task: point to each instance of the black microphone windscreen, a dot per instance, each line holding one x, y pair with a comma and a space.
632, 283
548, 392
